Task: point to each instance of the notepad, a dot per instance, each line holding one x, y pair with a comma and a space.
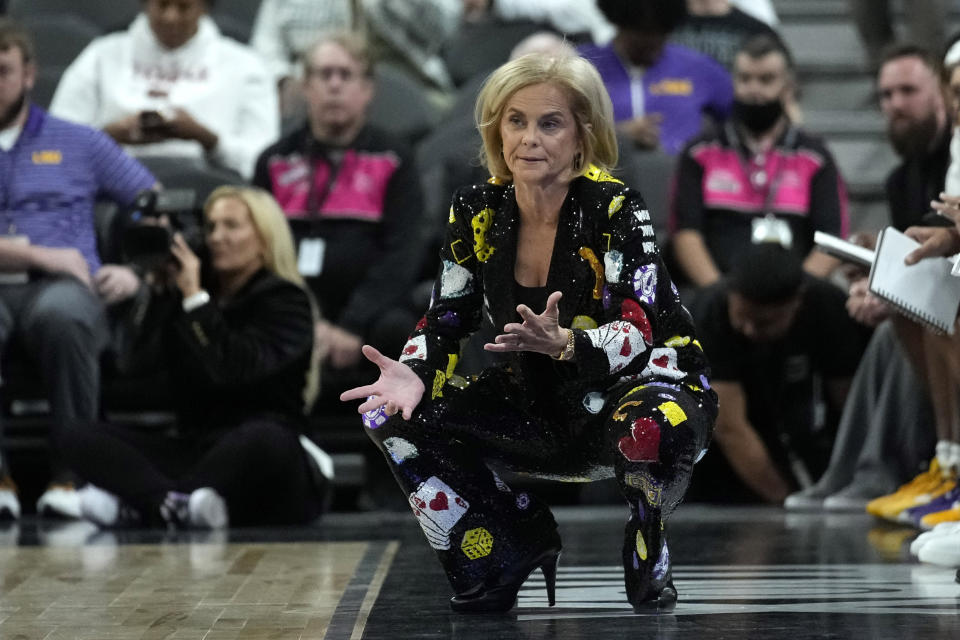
925, 292
842, 249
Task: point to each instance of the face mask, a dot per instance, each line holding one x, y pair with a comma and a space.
757, 117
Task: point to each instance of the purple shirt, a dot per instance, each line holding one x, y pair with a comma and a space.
53, 175
682, 86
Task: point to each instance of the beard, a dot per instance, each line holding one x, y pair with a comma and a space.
914, 138
10, 113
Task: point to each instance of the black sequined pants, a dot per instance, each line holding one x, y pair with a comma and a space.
647, 436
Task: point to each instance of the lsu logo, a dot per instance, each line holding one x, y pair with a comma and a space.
672, 87
47, 157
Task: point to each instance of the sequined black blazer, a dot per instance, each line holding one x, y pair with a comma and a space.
628, 321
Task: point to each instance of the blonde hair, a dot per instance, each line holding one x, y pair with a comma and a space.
589, 103
279, 257
271, 225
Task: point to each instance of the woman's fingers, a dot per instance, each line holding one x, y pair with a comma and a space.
526, 313
359, 392
553, 305
374, 402
377, 358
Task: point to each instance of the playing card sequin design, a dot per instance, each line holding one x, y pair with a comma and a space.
415, 349
621, 341
438, 509
663, 362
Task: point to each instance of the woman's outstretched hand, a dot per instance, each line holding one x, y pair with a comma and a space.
539, 333
398, 387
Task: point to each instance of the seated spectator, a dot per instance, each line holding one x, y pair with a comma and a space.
353, 198
172, 85
407, 33
875, 453
759, 174
777, 339
238, 348
661, 92
717, 28
54, 289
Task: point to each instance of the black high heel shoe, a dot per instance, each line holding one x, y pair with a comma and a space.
501, 596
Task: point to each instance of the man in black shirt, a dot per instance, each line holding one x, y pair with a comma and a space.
352, 196
918, 128
781, 349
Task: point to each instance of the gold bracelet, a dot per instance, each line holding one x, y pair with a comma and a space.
567, 352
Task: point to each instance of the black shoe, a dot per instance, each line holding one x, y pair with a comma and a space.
502, 595
664, 602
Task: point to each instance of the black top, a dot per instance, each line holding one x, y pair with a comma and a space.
915, 182
232, 360
368, 264
720, 36
533, 297
780, 378
715, 179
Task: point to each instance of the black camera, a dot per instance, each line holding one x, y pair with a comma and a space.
154, 218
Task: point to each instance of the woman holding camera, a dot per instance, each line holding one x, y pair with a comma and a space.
238, 349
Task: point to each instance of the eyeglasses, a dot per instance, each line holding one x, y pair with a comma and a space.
326, 74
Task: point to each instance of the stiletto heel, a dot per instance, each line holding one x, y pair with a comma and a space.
549, 569
501, 594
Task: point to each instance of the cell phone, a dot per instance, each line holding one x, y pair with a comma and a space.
152, 121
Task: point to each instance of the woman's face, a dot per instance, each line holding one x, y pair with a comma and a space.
539, 133
234, 242
174, 22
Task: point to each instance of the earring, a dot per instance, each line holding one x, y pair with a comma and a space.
578, 161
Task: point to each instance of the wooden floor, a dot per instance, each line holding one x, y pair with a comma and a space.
758, 573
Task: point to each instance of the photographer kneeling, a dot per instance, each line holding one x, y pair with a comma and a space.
242, 375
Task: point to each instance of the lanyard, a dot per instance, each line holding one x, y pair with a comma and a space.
315, 200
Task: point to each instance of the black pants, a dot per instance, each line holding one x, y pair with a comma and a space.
647, 436
259, 467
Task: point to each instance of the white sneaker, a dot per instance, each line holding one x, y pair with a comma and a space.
207, 509
942, 529
943, 551
9, 503
59, 500
98, 506
810, 499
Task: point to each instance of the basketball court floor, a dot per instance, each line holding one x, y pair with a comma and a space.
740, 572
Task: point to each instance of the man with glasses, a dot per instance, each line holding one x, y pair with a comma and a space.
353, 199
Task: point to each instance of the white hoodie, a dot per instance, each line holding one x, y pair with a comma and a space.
221, 83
